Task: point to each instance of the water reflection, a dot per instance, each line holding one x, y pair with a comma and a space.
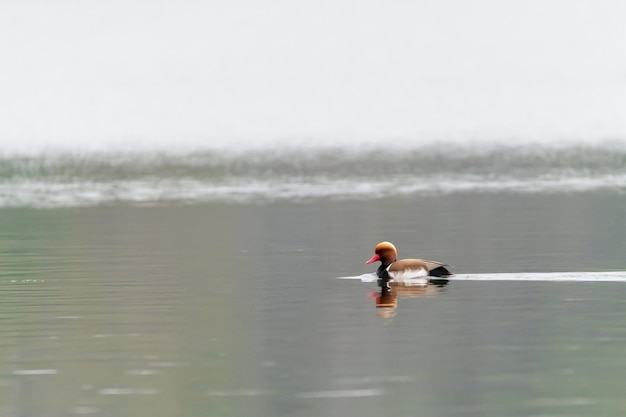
152, 311
387, 298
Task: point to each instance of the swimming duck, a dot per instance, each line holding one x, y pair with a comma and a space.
415, 271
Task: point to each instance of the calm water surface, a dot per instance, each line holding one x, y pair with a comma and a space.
234, 310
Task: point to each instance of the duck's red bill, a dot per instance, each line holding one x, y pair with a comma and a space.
373, 259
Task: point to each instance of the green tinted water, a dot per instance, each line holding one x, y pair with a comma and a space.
222, 310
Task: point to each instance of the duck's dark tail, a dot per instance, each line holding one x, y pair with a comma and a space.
440, 275
440, 272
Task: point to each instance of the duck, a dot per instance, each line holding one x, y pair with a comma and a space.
414, 271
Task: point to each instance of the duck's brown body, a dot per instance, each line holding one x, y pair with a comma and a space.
392, 269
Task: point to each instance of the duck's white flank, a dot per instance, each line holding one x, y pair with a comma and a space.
407, 274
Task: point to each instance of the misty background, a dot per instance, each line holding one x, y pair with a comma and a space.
230, 74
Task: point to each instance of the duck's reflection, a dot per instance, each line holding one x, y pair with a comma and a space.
387, 298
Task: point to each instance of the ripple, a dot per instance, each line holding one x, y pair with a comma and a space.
348, 393
128, 391
30, 372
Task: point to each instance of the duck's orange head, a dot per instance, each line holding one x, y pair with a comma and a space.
385, 252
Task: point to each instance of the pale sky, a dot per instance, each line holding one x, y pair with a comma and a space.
102, 74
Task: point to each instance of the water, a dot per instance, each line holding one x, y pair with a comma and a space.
230, 308
76, 179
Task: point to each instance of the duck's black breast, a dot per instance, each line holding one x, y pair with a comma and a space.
382, 272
